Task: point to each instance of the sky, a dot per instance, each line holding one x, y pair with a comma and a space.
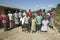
33, 4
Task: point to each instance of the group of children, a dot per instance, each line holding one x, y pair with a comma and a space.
28, 21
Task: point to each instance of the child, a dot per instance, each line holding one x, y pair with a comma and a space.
52, 18
48, 15
44, 25
33, 25
22, 20
38, 22
44, 13
27, 23
16, 18
10, 15
4, 20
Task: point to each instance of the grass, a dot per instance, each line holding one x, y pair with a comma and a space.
58, 17
58, 20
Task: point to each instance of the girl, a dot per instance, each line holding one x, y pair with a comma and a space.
4, 20
44, 25
52, 18
33, 26
27, 23
16, 18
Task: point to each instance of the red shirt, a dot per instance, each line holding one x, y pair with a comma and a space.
4, 18
30, 14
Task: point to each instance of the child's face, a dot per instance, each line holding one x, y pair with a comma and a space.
33, 17
46, 18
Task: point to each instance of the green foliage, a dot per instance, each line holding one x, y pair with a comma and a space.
58, 12
58, 6
0, 11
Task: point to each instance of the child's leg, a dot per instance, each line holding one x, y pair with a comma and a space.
22, 28
28, 28
5, 28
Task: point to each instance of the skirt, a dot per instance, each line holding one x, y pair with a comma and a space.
44, 28
16, 21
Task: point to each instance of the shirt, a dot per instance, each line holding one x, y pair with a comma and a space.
27, 20
45, 22
38, 19
52, 16
30, 14
4, 18
19, 14
24, 14
22, 20
15, 15
44, 14
10, 16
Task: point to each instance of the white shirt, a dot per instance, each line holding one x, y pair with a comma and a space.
19, 14
27, 20
22, 20
15, 15
45, 22
24, 14
10, 16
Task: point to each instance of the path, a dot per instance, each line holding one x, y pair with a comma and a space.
16, 34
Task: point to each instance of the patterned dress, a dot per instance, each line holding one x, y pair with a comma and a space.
33, 27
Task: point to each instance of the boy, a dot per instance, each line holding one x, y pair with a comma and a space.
22, 20
27, 23
38, 22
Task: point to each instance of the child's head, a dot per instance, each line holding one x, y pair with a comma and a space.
40, 12
43, 10
33, 16
45, 17
52, 9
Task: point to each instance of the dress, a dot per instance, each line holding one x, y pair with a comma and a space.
16, 18
33, 27
4, 21
4, 18
44, 25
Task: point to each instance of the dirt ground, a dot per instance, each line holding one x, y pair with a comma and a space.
17, 34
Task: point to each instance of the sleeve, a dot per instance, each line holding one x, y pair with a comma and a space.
43, 22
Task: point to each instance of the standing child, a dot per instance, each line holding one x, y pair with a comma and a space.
22, 20
33, 26
10, 15
4, 20
45, 25
16, 18
52, 18
27, 23
38, 22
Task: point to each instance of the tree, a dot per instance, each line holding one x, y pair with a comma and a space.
58, 6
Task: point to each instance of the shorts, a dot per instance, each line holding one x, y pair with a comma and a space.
38, 27
22, 25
